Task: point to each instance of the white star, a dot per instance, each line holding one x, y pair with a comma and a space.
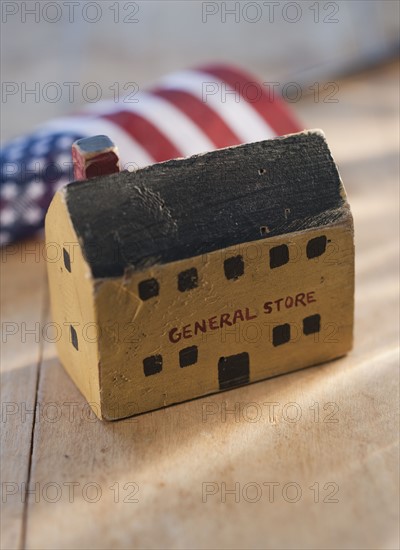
35, 189
33, 215
65, 142
14, 153
9, 190
64, 160
10, 170
40, 147
37, 164
8, 216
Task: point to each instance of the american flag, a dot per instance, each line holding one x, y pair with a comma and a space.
189, 112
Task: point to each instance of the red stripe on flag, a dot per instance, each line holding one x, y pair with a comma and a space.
202, 115
145, 133
272, 109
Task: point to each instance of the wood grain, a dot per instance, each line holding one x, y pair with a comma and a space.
170, 453
23, 290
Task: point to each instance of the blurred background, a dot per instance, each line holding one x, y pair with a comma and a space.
114, 43
342, 57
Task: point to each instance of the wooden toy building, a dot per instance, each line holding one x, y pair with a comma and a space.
202, 274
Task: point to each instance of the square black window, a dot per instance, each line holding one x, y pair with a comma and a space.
152, 365
233, 371
234, 267
278, 255
188, 356
281, 334
312, 324
74, 337
187, 279
316, 247
67, 260
148, 289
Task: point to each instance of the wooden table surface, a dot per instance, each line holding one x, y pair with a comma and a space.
319, 469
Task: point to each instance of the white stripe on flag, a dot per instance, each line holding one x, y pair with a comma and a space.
130, 150
185, 135
237, 113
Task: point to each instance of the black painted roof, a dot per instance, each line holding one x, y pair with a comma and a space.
187, 207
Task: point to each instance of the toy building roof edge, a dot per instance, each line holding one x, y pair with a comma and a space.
187, 207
